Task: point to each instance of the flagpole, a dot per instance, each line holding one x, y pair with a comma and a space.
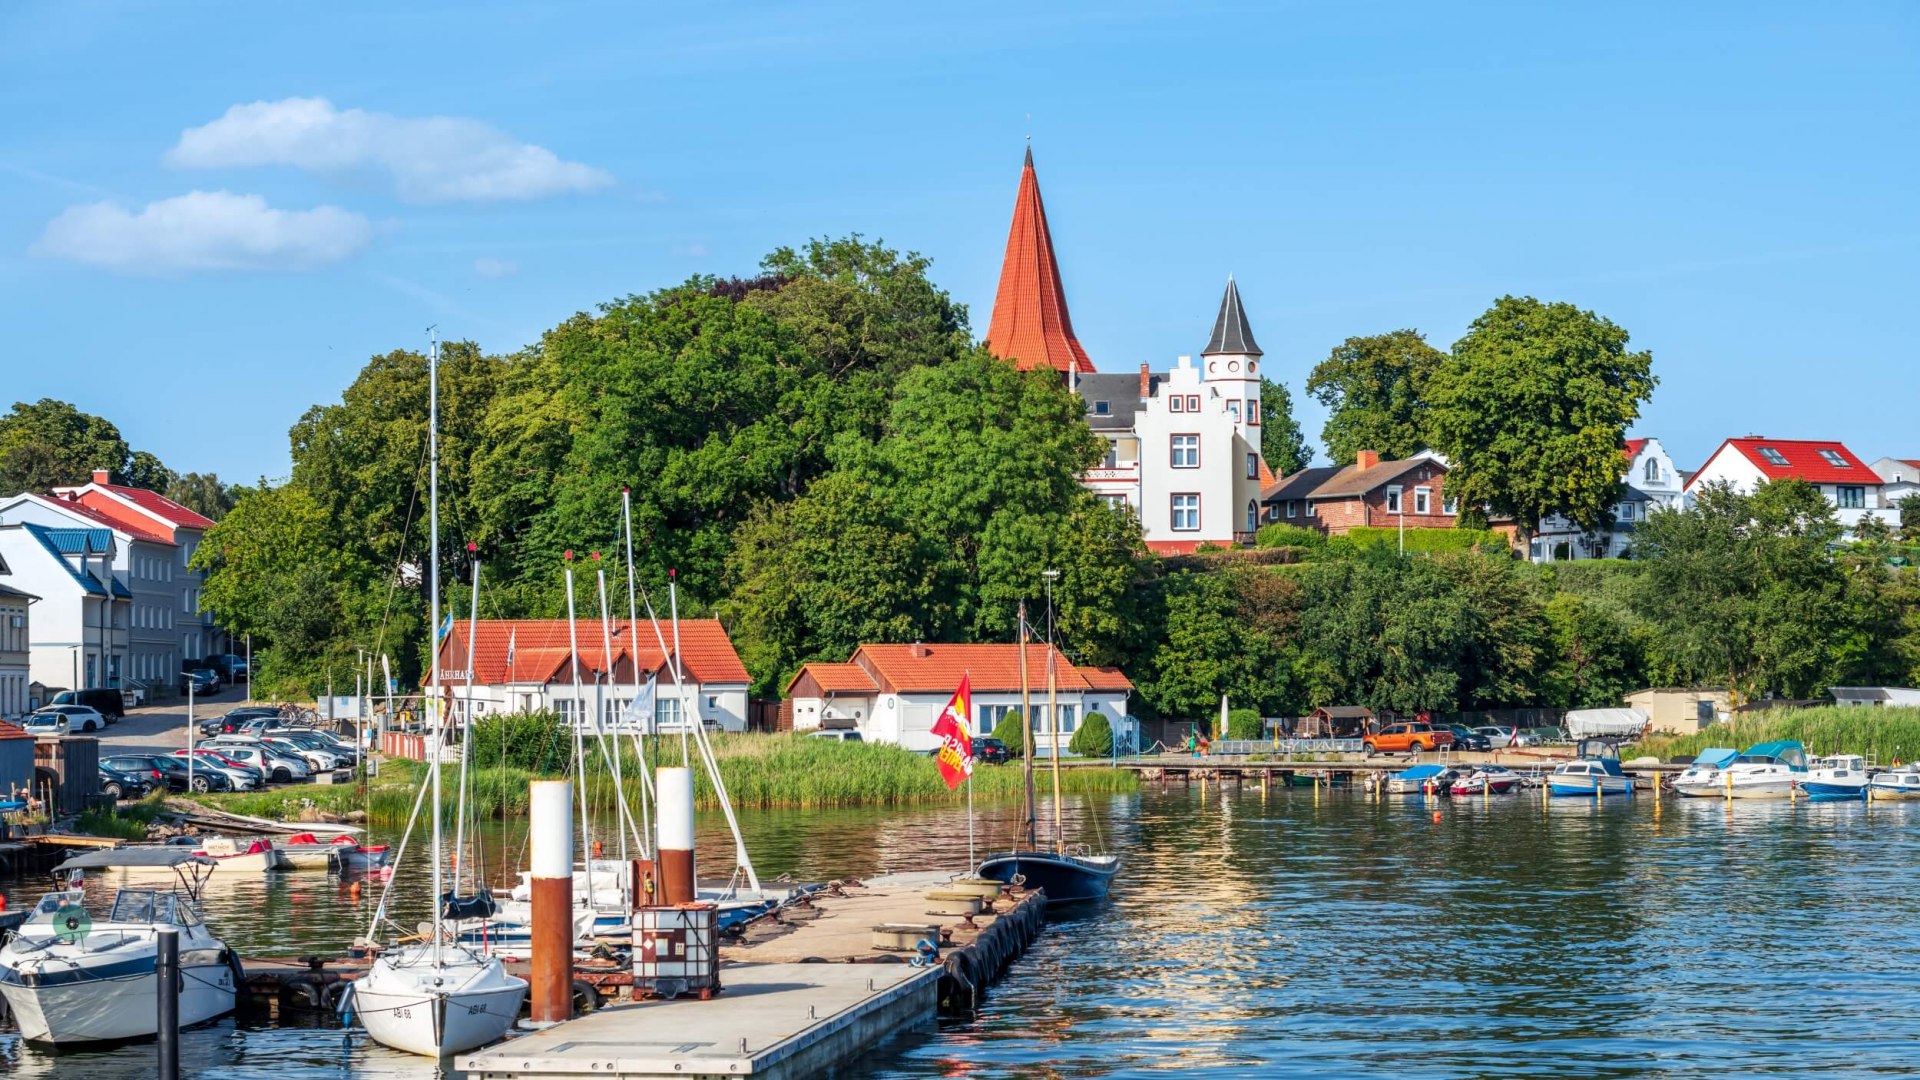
973, 861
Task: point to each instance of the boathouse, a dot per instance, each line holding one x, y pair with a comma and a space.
894, 693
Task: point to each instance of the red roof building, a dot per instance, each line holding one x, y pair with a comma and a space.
1854, 489
1030, 325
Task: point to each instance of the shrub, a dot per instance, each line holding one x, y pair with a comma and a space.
1244, 724
1427, 539
533, 741
1010, 731
1095, 737
1280, 534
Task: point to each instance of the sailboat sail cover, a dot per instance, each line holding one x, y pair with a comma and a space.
640, 710
456, 907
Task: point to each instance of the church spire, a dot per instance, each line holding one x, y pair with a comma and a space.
1030, 325
1231, 334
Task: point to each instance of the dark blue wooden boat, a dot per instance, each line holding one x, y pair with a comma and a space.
1066, 879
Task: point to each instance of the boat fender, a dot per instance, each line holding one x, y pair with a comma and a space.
334, 995
926, 953
586, 997
303, 991
239, 975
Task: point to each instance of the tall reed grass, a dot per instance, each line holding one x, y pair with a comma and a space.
1882, 735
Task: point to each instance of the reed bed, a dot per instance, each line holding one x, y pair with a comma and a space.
761, 772
1881, 735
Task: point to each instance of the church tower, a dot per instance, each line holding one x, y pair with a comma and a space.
1030, 325
1231, 364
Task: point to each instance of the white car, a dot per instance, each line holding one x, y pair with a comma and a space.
1501, 737
244, 777
79, 717
272, 764
45, 722
317, 760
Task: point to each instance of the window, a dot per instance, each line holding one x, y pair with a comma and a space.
1186, 513
667, 713
1850, 497
1449, 505
1112, 460
1186, 451
990, 717
1253, 411
1116, 503
1253, 515
1422, 500
1193, 402
1292, 505
1393, 498
1774, 457
1309, 510
1234, 408
1177, 403
1624, 511
1100, 408
1253, 466
1834, 459
1653, 469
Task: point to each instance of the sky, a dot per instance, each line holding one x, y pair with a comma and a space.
212, 214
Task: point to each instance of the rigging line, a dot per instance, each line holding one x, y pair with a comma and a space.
380, 909
399, 558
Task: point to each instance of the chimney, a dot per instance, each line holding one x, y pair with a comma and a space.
1366, 459
1146, 383
100, 476
918, 651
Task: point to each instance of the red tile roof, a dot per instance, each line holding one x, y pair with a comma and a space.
135, 525
1632, 448
153, 503
1804, 461
925, 669
838, 678
1030, 325
541, 650
13, 731
1106, 678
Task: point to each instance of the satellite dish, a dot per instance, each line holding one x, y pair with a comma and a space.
71, 924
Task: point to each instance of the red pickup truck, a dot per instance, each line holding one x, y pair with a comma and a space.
1411, 738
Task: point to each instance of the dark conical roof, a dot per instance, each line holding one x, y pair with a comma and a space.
1231, 334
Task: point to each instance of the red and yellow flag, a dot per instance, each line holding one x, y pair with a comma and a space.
955, 756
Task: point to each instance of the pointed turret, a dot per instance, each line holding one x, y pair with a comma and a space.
1231, 334
1030, 325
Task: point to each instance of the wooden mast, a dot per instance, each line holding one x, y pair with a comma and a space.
1026, 727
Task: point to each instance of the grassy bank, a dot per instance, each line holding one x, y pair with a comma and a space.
761, 771
1880, 734
127, 822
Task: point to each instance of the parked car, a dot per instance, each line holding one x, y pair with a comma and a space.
199, 680
79, 717
836, 734
278, 768
318, 758
1503, 737
171, 771
232, 668
1410, 738
991, 751
108, 703
244, 777
1546, 734
1464, 738
117, 784
45, 723
232, 719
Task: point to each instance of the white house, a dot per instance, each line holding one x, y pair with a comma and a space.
1900, 478
192, 629
895, 693
528, 665
78, 633
16, 669
1874, 696
1650, 483
145, 561
1854, 490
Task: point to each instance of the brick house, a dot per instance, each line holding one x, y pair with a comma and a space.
1369, 492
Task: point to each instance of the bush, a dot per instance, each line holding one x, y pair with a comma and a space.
1280, 534
1010, 730
1244, 724
1427, 539
535, 741
1095, 737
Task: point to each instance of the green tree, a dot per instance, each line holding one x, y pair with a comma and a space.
1594, 660
1094, 737
1208, 647
1382, 631
50, 443
1012, 731
1375, 390
1910, 518
1282, 444
202, 493
1531, 410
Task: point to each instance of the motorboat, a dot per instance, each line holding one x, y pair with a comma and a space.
1066, 878
1594, 772
1487, 780
1422, 779
69, 979
1836, 778
1768, 770
355, 857
1704, 770
1898, 784
305, 851
232, 856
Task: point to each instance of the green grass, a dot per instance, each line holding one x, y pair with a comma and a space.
761, 772
122, 823
1880, 734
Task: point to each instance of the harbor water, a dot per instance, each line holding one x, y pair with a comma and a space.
1288, 932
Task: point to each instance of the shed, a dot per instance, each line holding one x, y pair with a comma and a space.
1336, 722
1874, 695
16, 758
71, 764
1678, 710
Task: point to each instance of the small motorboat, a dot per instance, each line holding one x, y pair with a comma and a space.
1487, 780
232, 856
1065, 878
1704, 770
354, 857
305, 851
1836, 778
1768, 770
1421, 779
1595, 772
69, 979
1898, 784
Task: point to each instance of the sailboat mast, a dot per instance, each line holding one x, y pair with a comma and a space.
1053, 715
679, 672
460, 804
433, 608
580, 738
1026, 725
633, 629
619, 784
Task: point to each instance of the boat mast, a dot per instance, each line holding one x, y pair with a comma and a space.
1053, 714
633, 632
433, 608
612, 745
580, 738
460, 804
1026, 726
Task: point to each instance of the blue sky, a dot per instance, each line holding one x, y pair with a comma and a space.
212, 214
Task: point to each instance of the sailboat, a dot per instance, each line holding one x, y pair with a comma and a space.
1067, 878
436, 998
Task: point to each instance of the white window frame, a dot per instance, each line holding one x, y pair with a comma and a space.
1423, 500
1175, 511
1393, 499
1177, 403
1193, 402
1253, 412
1292, 506
1233, 407
1859, 496
1174, 447
1449, 504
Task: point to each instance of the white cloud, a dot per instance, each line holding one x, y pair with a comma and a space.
431, 158
203, 230
495, 268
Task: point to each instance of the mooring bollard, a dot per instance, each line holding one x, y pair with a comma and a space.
166, 972
550, 1000
674, 786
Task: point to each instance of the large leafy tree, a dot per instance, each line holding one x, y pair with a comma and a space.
203, 493
1594, 660
1375, 389
1383, 631
49, 443
1207, 647
1531, 408
1282, 443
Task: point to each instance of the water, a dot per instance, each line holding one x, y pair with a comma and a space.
1272, 934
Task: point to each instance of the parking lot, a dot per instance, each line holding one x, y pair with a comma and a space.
163, 728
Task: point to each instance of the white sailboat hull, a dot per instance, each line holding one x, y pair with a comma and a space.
103, 1010
409, 1004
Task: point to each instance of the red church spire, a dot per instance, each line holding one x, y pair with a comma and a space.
1030, 325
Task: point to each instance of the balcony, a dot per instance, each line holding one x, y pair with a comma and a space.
1126, 473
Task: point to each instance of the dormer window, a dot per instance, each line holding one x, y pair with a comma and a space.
1653, 469
1774, 457
1834, 459
1101, 408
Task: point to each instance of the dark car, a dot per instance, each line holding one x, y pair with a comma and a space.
230, 722
1464, 738
232, 668
117, 784
171, 771
991, 751
199, 680
108, 703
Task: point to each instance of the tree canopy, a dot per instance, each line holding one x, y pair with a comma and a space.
1375, 390
1282, 443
